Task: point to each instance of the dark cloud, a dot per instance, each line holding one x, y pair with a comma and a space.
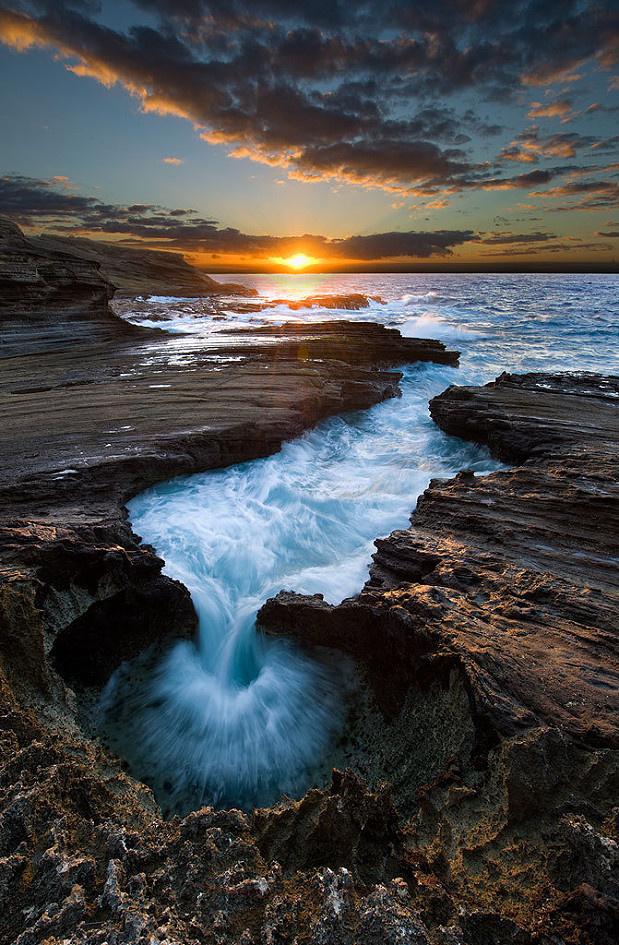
27, 199
530, 145
558, 247
42, 203
588, 194
520, 181
497, 239
331, 89
411, 244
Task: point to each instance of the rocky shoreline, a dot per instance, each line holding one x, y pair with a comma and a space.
505, 587
480, 801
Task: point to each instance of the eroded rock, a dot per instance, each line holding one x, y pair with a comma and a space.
499, 826
509, 581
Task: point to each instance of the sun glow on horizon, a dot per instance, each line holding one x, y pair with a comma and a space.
299, 261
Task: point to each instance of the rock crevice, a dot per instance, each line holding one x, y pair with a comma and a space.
509, 581
482, 807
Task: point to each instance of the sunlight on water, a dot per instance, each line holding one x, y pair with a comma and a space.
239, 719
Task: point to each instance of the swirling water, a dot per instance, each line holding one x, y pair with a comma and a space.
235, 718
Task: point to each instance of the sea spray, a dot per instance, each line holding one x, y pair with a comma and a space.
236, 718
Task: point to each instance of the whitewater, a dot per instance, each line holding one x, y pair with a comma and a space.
235, 718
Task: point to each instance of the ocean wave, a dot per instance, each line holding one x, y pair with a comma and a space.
429, 325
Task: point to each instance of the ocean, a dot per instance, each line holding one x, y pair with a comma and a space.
237, 719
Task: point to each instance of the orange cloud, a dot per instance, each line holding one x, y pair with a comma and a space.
94, 70
515, 153
560, 108
20, 32
174, 161
549, 75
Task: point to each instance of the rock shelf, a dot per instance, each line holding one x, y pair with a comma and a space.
481, 801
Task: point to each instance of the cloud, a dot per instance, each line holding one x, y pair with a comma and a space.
39, 203
408, 244
548, 248
588, 194
596, 107
511, 238
329, 90
174, 161
521, 181
530, 145
560, 108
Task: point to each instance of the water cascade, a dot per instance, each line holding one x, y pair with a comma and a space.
238, 719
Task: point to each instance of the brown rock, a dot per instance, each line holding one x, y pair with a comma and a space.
135, 271
509, 581
352, 342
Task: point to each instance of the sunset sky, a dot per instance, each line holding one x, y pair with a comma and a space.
351, 135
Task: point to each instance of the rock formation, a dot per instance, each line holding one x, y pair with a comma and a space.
353, 301
51, 298
136, 271
83, 428
352, 342
57, 290
506, 585
34, 280
483, 748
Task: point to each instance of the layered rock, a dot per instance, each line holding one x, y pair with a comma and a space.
352, 342
486, 813
84, 428
49, 297
351, 301
55, 291
34, 279
135, 271
85, 853
508, 582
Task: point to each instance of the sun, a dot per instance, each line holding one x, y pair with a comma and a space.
299, 261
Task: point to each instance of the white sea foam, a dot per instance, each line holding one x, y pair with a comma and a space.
235, 718
428, 325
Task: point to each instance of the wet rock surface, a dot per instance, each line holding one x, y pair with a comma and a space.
489, 816
354, 342
352, 302
507, 582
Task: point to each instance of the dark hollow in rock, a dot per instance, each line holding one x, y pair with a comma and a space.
509, 583
487, 635
115, 629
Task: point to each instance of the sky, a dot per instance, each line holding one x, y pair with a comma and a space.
259, 135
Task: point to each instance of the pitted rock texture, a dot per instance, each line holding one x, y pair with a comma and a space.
510, 582
512, 838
